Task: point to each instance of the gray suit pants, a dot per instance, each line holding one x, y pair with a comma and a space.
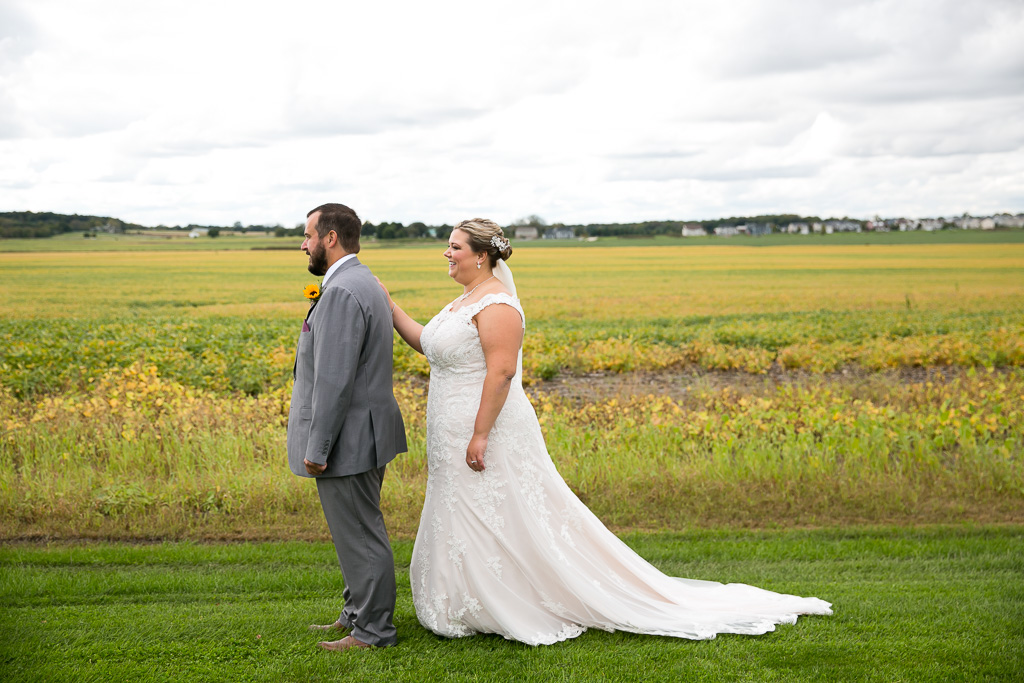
352, 507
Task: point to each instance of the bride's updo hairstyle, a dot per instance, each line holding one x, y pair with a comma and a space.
486, 236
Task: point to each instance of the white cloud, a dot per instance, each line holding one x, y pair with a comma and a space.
189, 111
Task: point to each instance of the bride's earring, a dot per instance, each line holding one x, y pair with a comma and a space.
478, 264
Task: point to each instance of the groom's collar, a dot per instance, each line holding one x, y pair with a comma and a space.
337, 264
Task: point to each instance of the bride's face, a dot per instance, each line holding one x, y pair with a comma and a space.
461, 258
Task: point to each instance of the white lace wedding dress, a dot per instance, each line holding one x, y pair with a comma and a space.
511, 550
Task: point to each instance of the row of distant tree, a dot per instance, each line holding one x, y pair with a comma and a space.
45, 224
774, 222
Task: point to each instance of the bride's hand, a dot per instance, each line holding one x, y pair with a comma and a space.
386, 292
475, 453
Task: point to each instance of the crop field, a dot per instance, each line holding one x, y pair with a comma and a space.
144, 394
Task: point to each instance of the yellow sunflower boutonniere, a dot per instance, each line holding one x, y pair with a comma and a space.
312, 293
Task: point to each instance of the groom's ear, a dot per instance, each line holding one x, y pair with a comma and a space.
329, 242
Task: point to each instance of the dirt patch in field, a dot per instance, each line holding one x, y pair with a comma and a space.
680, 384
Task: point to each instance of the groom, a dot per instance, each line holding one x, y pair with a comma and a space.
344, 425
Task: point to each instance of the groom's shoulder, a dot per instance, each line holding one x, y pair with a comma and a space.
356, 279
354, 273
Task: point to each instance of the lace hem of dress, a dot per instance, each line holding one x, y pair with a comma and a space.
456, 629
567, 632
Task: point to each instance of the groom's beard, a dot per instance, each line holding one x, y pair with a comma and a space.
318, 260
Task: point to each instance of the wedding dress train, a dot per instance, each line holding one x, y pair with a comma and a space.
512, 550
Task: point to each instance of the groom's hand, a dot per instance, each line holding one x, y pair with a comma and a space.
313, 468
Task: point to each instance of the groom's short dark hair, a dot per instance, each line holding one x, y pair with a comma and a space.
343, 221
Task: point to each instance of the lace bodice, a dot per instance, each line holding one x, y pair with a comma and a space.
451, 341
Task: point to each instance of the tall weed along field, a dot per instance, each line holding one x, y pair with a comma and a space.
146, 395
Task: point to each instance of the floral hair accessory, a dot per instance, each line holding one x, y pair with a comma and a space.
499, 243
312, 292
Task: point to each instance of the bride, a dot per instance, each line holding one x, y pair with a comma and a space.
504, 546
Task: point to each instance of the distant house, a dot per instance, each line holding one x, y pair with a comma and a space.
198, 232
884, 225
726, 231
559, 232
832, 226
694, 230
755, 229
932, 224
526, 232
1005, 220
967, 223
890, 224
988, 224
798, 229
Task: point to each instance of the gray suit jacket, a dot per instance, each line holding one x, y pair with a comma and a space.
343, 409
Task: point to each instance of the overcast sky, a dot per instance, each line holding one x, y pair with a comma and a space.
211, 112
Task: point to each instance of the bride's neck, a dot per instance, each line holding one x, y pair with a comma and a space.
476, 282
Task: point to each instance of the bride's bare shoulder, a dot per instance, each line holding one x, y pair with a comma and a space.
501, 308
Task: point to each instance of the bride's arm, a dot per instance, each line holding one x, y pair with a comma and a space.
407, 328
501, 335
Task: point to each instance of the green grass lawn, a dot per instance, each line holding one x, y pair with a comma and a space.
936, 603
